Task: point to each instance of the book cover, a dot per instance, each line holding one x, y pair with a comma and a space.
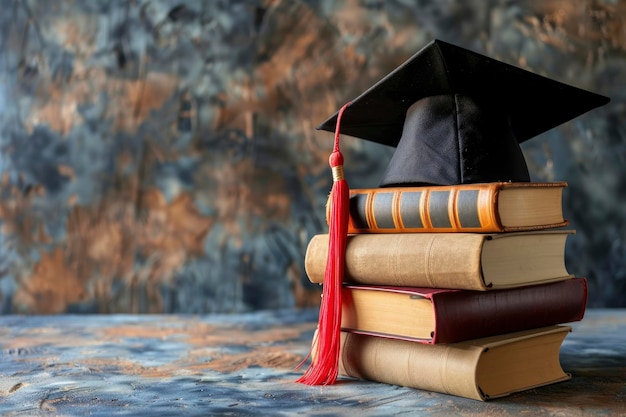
469, 261
480, 369
483, 208
429, 315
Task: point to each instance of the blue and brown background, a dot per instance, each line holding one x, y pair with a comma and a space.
161, 156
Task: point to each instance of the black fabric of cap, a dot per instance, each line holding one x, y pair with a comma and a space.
458, 117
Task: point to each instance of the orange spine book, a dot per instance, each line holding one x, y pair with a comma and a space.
479, 208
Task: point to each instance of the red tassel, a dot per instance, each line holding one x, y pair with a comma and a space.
325, 363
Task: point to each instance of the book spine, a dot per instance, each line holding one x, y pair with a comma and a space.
439, 368
410, 259
426, 209
479, 369
469, 208
465, 315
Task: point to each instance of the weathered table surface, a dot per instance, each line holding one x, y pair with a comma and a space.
244, 365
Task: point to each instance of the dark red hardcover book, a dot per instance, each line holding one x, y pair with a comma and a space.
431, 315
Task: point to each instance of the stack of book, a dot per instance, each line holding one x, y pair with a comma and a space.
456, 289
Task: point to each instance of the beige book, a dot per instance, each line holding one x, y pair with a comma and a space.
470, 261
479, 369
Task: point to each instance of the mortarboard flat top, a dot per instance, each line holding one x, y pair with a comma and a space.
487, 105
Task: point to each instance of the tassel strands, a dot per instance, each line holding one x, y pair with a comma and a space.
325, 361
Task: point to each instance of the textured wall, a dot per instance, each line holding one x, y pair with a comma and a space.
160, 156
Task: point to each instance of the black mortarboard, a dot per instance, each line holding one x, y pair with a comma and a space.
456, 116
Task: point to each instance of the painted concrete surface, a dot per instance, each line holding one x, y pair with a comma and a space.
240, 365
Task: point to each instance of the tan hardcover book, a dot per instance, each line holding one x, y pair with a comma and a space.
479, 369
467, 261
482, 208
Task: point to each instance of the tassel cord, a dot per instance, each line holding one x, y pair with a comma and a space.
325, 352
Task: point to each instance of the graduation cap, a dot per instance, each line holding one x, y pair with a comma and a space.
458, 117
455, 117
